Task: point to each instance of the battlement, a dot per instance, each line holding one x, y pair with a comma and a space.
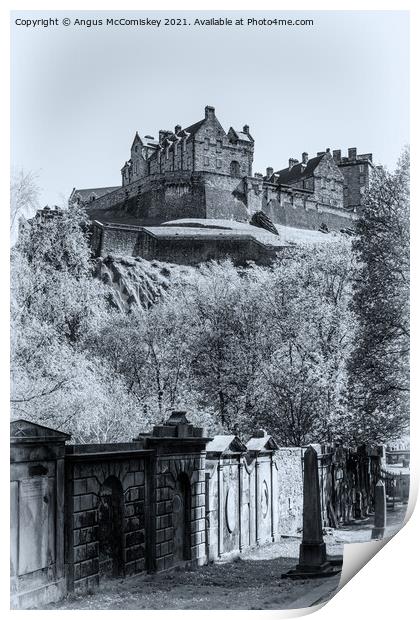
204, 171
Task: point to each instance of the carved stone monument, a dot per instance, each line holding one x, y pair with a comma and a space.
313, 560
380, 511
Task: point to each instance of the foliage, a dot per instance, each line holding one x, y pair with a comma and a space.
380, 363
313, 348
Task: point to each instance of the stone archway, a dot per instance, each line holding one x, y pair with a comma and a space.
111, 528
182, 519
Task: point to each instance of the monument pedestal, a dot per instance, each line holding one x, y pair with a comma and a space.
313, 560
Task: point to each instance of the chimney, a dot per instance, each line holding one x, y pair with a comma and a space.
246, 129
352, 153
337, 156
209, 112
269, 172
292, 162
177, 129
305, 158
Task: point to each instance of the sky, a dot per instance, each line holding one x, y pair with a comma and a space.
80, 93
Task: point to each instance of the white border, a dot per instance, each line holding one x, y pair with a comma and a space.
387, 586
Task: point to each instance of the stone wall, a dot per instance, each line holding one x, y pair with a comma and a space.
289, 465
91, 473
37, 574
194, 250
165, 499
356, 170
299, 210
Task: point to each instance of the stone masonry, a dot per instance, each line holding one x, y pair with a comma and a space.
203, 171
169, 498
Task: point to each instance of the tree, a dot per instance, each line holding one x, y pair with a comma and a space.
311, 335
379, 387
55, 304
24, 198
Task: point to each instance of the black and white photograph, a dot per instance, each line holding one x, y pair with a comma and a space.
209, 304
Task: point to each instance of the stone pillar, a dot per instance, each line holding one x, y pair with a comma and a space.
220, 495
257, 502
312, 549
240, 492
273, 504
312, 556
380, 510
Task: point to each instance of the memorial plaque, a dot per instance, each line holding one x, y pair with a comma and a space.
231, 510
264, 499
33, 517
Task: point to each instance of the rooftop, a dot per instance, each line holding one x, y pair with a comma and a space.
298, 172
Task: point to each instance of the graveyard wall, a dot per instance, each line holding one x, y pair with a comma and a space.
37, 575
161, 501
88, 468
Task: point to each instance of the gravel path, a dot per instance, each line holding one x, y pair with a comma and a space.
252, 581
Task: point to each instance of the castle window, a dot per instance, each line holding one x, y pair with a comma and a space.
333, 185
206, 161
362, 179
346, 192
323, 183
235, 169
218, 146
206, 144
361, 168
218, 163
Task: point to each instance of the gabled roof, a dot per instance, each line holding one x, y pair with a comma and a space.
222, 444
240, 135
136, 139
98, 191
192, 129
263, 443
24, 429
298, 172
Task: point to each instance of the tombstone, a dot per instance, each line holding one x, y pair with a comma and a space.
313, 560
380, 511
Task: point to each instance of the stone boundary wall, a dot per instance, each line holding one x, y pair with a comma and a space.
173, 497
86, 474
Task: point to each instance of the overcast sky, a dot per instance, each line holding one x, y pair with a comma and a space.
79, 94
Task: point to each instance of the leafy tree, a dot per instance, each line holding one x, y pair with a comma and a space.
24, 198
311, 335
379, 387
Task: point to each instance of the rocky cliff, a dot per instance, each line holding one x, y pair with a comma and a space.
135, 282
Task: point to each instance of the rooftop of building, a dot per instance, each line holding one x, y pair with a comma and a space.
298, 172
85, 194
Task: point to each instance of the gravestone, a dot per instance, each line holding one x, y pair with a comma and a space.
380, 511
313, 560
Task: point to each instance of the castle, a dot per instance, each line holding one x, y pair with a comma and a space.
191, 194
